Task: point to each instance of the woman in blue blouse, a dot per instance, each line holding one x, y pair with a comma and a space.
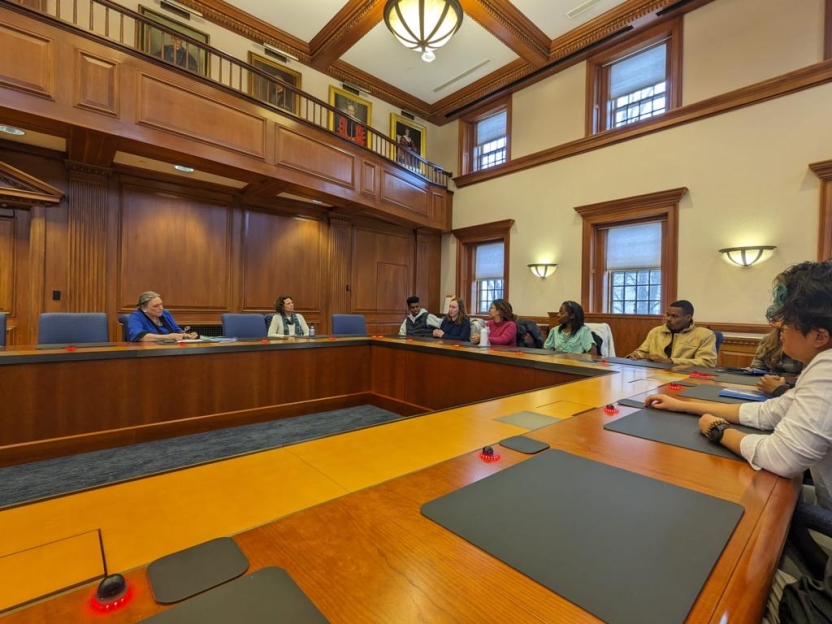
571, 335
456, 325
151, 322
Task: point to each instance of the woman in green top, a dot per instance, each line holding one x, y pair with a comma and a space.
571, 335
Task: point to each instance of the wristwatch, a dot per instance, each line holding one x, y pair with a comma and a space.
716, 429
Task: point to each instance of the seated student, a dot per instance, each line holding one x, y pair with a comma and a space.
571, 335
801, 419
151, 322
678, 341
286, 323
419, 322
456, 325
502, 326
770, 357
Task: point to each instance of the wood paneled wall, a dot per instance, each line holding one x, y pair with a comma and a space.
203, 249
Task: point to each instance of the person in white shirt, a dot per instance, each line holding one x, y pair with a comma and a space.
286, 323
801, 419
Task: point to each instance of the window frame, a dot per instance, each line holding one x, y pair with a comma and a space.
468, 239
468, 133
662, 206
597, 66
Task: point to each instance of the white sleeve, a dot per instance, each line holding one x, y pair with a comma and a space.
276, 328
802, 420
434, 321
403, 328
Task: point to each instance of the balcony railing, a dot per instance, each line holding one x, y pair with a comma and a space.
143, 35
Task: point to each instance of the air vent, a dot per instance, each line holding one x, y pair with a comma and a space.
467, 72
573, 13
179, 9
409, 116
351, 88
275, 55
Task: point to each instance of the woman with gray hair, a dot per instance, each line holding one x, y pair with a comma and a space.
151, 322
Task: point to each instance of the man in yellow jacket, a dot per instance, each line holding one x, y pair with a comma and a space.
678, 341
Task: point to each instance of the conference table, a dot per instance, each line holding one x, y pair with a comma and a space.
368, 554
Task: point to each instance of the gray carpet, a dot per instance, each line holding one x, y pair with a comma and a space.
55, 477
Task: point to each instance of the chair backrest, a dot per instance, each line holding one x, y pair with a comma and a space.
2, 329
719, 338
72, 327
268, 318
348, 324
123, 322
243, 325
605, 334
599, 343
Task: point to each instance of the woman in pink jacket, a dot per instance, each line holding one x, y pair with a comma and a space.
502, 329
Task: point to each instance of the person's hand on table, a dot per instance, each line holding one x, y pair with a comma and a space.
664, 402
768, 383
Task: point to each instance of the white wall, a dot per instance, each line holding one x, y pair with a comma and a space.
746, 170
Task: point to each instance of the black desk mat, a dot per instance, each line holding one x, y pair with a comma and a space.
736, 378
268, 596
677, 429
523, 444
194, 570
707, 392
642, 363
627, 548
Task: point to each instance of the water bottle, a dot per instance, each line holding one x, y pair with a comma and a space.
484, 342
311, 331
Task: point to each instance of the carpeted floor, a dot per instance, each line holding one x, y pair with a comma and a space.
54, 477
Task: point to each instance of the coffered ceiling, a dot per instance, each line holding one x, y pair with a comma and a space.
500, 46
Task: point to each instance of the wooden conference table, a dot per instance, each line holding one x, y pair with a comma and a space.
370, 556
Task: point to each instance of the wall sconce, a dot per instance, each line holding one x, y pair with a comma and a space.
543, 269
746, 256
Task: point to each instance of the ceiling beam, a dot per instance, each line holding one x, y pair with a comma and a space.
91, 147
503, 20
266, 189
350, 24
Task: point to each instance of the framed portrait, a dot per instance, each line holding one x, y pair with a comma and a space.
408, 134
272, 92
353, 106
169, 48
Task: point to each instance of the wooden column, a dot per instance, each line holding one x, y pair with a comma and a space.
340, 265
428, 265
87, 238
824, 171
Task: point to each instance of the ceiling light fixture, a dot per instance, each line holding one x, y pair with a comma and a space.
746, 256
12, 130
543, 269
184, 168
423, 25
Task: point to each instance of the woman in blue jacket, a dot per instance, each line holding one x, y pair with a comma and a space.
151, 322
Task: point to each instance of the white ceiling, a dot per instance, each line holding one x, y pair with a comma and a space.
379, 54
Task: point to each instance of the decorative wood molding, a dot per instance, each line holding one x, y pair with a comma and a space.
87, 238
827, 30
20, 190
792, 82
483, 232
91, 148
618, 208
824, 171
503, 20
350, 24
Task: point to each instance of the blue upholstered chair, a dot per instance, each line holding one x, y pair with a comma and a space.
719, 338
123, 322
243, 326
70, 328
348, 325
2, 329
268, 319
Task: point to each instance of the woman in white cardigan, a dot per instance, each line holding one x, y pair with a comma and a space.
286, 323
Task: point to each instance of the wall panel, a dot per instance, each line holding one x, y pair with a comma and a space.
27, 62
375, 254
7, 268
282, 255
177, 245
